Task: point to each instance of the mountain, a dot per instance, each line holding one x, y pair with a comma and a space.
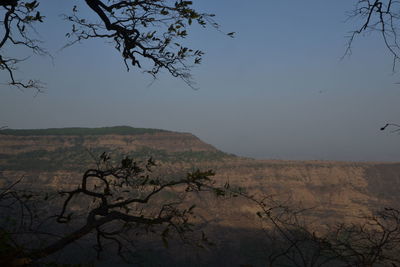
73, 148
54, 159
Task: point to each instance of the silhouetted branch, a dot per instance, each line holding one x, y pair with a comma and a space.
391, 125
18, 17
374, 240
382, 16
148, 34
124, 198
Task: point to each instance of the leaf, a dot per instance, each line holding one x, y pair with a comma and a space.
31, 6
38, 17
164, 12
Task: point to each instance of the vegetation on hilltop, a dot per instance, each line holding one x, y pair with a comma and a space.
120, 130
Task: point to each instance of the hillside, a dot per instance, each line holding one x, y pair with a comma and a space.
51, 160
71, 149
55, 158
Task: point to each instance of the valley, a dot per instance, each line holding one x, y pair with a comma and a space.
53, 160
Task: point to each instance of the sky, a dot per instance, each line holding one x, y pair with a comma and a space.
278, 90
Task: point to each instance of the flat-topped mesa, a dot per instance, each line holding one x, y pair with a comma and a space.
75, 148
80, 131
122, 138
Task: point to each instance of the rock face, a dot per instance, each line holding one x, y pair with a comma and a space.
55, 158
337, 191
15, 142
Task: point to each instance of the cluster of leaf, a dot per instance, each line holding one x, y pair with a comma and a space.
32, 6
118, 202
128, 199
147, 33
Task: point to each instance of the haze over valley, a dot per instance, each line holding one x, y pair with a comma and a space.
199, 133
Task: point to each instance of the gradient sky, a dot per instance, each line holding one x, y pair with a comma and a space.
277, 91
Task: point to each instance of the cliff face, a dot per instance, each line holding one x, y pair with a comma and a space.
337, 191
170, 141
55, 160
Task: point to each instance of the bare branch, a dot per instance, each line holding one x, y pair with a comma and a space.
381, 16
19, 18
121, 198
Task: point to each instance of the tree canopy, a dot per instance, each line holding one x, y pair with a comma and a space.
118, 202
147, 33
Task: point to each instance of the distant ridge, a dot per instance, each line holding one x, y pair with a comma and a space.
71, 149
120, 130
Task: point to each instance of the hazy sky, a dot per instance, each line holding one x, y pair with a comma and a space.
278, 90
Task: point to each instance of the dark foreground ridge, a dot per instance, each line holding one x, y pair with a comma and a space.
120, 130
